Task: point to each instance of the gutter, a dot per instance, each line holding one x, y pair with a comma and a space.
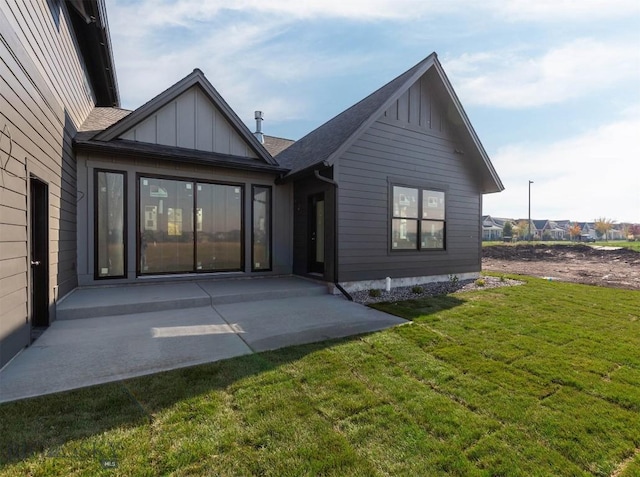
317, 175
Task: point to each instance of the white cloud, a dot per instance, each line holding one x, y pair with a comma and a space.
513, 79
185, 12
563, 10
591, 175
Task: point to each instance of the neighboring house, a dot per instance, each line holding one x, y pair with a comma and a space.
589, 228
180, 188
493, 227
534, 230
553, 230
538, 227
617, 232
56, 65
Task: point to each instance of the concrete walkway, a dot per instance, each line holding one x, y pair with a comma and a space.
114, 333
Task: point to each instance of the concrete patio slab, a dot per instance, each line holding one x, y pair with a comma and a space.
257, 289
274, 324
76, 353
125, 299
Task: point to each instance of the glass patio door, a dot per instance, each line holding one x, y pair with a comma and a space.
188, 226
166, 226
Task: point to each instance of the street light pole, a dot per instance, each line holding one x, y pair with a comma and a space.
529, 226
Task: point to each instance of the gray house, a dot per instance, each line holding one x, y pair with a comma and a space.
55, 67
181, 189
391, 187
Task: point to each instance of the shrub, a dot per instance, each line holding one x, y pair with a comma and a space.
416, 289
374, 293
502, 279
453, 279
480, 282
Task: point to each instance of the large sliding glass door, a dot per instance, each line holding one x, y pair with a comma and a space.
188, 226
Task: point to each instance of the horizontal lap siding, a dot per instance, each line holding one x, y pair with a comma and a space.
390, 152
44, 97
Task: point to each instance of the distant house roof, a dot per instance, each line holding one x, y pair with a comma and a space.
325, 144
539, 224
275, 145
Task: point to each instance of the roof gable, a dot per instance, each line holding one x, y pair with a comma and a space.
324, 145
540, 224
191, 114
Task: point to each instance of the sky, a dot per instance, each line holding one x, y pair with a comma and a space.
552, 87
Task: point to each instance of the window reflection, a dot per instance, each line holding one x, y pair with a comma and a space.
166, 225
110, 224
261, 228
219, 219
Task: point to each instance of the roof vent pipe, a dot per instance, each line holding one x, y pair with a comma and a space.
258, 134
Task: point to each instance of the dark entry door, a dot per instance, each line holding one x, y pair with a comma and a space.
316, 233
39, 253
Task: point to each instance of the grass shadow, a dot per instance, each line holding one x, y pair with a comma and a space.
420, 308
43, 425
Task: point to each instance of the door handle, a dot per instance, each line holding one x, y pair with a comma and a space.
35, 263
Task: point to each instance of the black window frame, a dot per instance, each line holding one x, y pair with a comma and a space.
419, 219
125, 231
195, 181
270, 189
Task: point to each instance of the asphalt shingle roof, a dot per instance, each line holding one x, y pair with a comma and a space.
99, 119
317, 146
275, 145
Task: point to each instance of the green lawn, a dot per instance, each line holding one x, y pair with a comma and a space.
536, 380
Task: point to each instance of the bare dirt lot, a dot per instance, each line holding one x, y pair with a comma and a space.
572, 263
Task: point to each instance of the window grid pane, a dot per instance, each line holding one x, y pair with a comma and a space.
405, 202
432, 234
432, 205
404, 234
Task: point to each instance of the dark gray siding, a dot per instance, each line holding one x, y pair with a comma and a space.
43, 98
399, 149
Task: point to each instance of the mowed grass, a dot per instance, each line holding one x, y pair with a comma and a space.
535, 380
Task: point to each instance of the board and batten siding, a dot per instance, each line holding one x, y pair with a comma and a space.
405, 151
44, 97
191, 121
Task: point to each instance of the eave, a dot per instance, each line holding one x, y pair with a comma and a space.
133, 149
